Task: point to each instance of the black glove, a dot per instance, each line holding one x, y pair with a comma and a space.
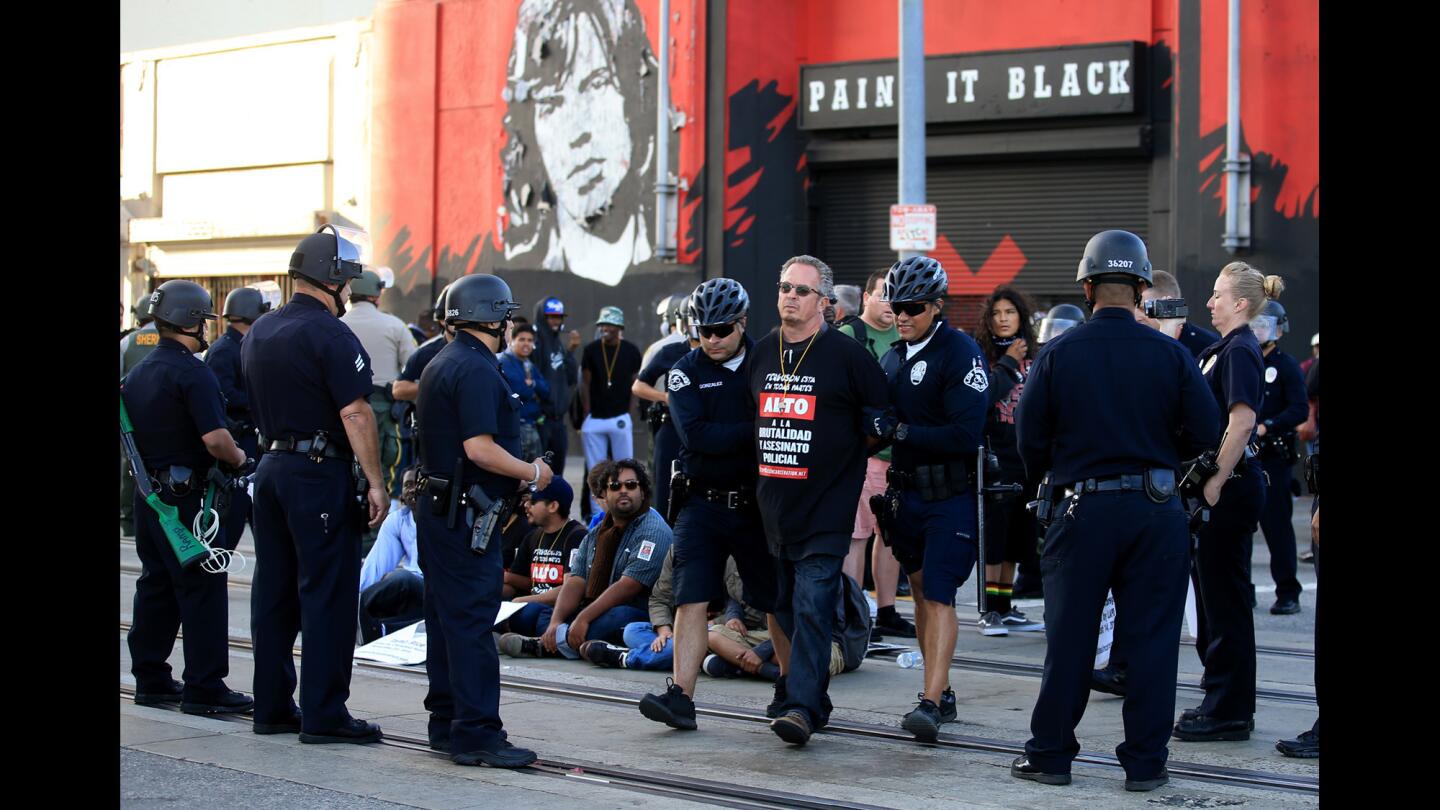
881, 424
241, 471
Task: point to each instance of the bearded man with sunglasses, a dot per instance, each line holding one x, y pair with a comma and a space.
820, 402
938, 383
710, 407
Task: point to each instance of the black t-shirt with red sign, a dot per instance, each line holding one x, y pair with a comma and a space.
544, 557
809, 437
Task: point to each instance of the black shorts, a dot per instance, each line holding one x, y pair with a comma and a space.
705, 534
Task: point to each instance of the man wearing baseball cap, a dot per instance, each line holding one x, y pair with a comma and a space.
608, 366
555, 356
543, 558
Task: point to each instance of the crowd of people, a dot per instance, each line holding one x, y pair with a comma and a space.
855, 443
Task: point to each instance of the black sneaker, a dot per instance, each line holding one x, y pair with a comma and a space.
876, 636
503, 755
1021, 768
948, 712
1143, 785
923, 721
173, 693
227, 702
893, 624
774, 710
603, 654
1305, 746
290, 725
675, 708
353, 730
793, 727
518, 646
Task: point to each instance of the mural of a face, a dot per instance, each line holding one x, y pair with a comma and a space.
580, 125
579, 157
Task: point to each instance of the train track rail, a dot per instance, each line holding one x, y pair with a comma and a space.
1216, 774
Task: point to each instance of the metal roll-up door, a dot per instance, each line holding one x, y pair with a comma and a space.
1025, 223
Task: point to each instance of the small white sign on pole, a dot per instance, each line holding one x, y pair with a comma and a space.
912, 227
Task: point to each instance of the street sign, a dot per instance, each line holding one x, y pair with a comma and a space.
912, 227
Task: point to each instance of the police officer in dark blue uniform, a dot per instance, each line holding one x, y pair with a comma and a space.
938, 381
308, 379
719, 517
469, 439
178, 415
1225, 639
242, 307
1110, 410
406, 387
665, 440
1282, 410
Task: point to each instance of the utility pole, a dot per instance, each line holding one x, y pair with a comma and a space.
912, 106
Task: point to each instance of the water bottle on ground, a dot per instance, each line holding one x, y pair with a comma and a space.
910, 660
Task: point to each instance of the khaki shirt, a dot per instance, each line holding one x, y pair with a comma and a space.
385, 337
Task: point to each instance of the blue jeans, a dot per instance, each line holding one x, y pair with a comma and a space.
638, 637
608, 626
809, 590
530, 620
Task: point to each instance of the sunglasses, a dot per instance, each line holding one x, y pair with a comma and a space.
614, 486
800, 289
722, 330
911, 308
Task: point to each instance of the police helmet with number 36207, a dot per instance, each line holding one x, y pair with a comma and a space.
1115, 252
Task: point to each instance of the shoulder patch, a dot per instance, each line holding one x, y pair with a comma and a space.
976, 377
677, 380
647, 550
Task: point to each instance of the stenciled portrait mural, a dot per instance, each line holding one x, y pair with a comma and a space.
579, 159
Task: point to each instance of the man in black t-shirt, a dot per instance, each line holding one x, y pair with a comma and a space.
608, 367
820, 404
547, 551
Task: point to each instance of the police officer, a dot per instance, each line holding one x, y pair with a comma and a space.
469, 423
1282, 410
711, 410
665, 441
308, 379
938, 381
178, 416
242, 306
134, 347
388, 343
1110, 410
406, 387
1225, 639
1060, 319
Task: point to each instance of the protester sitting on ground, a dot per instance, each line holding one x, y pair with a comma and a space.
595, 482
616, 568
647, 645
548, 550
512, 536
392, 587
739, 637
752, 653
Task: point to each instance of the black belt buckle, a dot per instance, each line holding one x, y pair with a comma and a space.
732, 500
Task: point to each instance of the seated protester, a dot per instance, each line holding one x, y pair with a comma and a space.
740, 637
549, 549
751, 652
516, 529
528, 382
595, 480
647, 645
615, 569
391, 597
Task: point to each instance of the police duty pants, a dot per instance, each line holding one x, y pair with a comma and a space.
667, 449
1120, 541
307, 563
168, 598
1275, 522
462, 598
809, 589
1225, 639
127, 495
240, 504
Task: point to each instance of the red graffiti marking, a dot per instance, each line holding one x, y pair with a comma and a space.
1002, 266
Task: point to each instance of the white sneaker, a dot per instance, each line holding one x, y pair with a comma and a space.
1015, 620
992, 625
874, 606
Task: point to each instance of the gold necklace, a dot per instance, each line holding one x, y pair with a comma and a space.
794, 372
609, 361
